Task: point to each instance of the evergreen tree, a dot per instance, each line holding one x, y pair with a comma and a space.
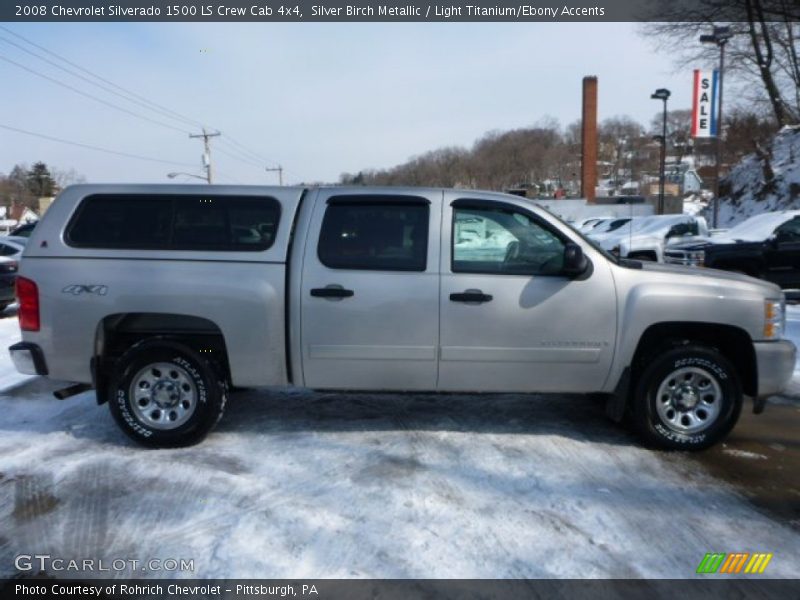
40, 181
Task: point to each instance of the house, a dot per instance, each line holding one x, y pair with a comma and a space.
21, 214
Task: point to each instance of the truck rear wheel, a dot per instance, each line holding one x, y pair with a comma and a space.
688, 398
163, 394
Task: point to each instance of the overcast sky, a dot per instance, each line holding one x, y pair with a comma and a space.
320, 99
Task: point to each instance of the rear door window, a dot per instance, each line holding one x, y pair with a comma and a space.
389, 234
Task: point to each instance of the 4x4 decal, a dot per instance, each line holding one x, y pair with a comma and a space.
78, 289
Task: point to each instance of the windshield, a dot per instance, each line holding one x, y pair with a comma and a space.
634, 224
616, 224
657, 224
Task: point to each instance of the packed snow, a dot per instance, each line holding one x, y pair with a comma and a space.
300, 484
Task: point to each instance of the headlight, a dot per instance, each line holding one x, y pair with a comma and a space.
774, 318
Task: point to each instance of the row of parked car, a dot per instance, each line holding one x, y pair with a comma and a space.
766, 246
11, 248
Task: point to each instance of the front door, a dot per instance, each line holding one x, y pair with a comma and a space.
782, 255
511, 320
370, 291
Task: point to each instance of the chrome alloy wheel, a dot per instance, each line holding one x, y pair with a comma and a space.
689, 400
163, 396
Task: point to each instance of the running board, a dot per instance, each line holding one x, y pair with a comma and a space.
77, 388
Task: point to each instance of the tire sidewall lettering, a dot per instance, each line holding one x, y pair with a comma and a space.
199, 384
709, 365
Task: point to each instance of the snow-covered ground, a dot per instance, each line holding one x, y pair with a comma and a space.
758, 186
298, 484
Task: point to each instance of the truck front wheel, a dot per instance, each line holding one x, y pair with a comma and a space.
163, 394
688, 398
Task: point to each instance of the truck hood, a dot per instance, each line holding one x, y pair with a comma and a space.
720, 277
650, 240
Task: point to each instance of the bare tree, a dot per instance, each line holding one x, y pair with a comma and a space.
761, 57
617, 137
65, 177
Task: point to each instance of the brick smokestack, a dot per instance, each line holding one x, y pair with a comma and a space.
589, 139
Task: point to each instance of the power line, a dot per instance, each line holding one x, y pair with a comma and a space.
177, 115
240, 153
241, 159
237, 150
96, 148
245, 150
94, 83
90, 96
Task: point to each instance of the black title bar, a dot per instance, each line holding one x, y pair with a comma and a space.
400, 589
408, 11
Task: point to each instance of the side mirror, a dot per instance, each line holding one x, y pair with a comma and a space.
575, 263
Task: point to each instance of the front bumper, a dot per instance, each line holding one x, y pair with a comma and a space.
28, 358
775, 362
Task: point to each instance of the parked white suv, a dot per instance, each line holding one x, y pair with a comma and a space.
645, 238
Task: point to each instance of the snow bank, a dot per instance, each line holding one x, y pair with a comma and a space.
763, 183
9, 334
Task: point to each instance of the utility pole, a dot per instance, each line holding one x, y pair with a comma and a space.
207, 150
279, 169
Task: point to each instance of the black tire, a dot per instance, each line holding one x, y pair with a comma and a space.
200, 406
705, 382
4, 306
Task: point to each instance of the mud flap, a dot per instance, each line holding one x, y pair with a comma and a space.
617, 401
759, 404
99, 379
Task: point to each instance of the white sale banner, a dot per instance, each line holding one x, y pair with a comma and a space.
705, 109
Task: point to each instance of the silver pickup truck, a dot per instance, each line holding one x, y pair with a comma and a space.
164, 298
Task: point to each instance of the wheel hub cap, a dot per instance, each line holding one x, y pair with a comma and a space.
686, 398
163, 396
689, 400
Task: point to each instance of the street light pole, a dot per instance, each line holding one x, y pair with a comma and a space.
174, 175
720, 37
718, 160
663, 95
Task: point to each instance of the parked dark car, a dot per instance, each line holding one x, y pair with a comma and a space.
8, 277
766, 246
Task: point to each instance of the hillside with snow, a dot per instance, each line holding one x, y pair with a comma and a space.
764, 181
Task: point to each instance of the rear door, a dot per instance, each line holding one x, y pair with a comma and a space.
370, 290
